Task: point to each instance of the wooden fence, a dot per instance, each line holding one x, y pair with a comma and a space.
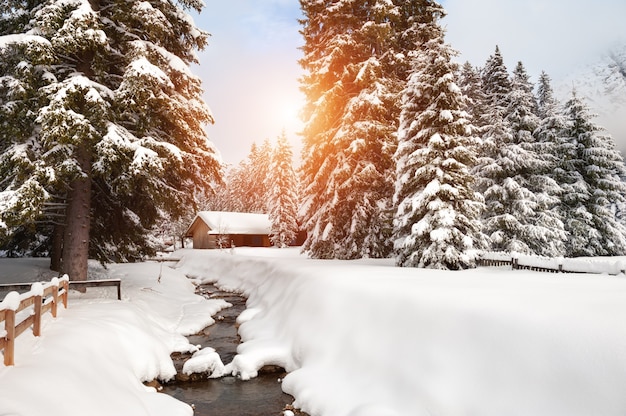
42, 298
551, 265
82, 284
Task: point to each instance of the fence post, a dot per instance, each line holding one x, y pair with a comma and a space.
66, 289
37, 321
55, 301
9, 327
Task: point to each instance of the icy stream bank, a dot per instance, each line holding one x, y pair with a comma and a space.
227, 395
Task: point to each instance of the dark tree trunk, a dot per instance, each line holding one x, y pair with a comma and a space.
78, 211
76, 238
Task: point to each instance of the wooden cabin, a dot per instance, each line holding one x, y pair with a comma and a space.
218, 229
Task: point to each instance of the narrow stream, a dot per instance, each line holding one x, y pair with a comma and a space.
229, 396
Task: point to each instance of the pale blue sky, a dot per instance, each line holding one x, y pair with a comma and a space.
250, 70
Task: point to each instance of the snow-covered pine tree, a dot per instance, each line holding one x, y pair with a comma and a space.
543, 228
516, 218
552, 122
470, 82
119, 125
246, 185
487, 104
234, 194
259, 193
547, 104
24, 63
496, 82
559, 152
223, 199
490, 100
283, 196
593, 196
437, 220
492, 175
355, 58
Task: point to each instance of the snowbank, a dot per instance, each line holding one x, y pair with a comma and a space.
359, 338
363, 337
92, 359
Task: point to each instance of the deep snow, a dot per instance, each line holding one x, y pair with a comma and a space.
358, 337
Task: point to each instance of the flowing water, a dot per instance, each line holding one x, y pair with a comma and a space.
229, 396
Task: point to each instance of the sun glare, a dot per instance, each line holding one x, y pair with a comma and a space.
290, 114
287, 113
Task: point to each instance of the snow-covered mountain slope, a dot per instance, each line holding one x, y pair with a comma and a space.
603, 83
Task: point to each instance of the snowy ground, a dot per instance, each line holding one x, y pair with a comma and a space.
359, 338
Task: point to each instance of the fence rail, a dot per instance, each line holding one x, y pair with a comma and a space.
42, 298
99, 283
552, 265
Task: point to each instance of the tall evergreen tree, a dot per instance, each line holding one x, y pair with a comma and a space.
247, 187
283, 196
258, 191
498, 164
24, 62
543, 228
559, 152
547, 104
118, 128
475, 99
355, 61
512, 169
496, 82
437, 220
593, 195
491, 101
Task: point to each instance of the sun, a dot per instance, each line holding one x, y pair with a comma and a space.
290, 113
287, 113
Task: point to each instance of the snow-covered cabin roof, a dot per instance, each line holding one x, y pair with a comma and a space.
221, 222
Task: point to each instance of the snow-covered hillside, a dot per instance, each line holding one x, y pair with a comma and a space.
603, 83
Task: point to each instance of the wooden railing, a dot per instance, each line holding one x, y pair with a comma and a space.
82, 284
43, 298
552, 265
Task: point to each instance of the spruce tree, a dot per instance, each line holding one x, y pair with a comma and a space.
247, 187
512, 169
283, 197
118, 129
496, 82
437, 219
496, 165
547, 104
475, 99
544, 234
355, 58
557, 151
24, 61
259, 192
594, 194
